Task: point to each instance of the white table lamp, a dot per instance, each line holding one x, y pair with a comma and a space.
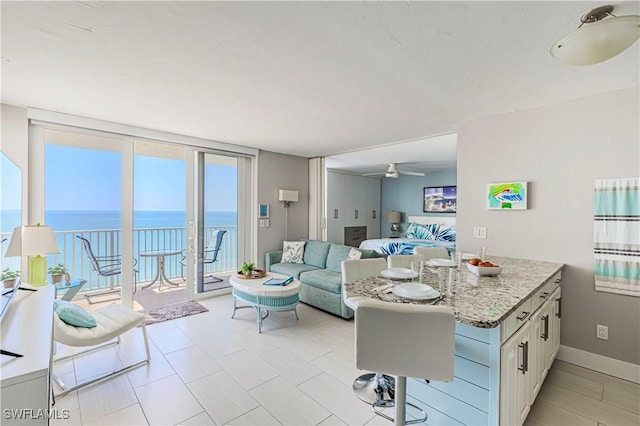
34, 241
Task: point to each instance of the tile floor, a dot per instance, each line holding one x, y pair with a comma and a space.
209, 369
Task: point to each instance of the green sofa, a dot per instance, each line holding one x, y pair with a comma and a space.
320, 274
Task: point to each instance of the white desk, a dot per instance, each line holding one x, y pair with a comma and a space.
27, 329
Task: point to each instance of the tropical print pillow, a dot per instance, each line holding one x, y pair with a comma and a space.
293, 252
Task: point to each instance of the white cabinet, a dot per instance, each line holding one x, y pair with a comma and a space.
514, 377
527, 354
351, 201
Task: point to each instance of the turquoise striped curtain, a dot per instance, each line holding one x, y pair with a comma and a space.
616, 235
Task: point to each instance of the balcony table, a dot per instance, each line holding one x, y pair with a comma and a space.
70, 288
159, 255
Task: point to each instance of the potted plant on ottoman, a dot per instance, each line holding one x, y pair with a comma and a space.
57, 272
9, 277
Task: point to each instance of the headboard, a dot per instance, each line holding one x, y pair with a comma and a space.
426, 220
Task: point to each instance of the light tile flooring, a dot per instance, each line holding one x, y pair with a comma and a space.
209, 369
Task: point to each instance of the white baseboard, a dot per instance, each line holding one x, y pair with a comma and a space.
612, 367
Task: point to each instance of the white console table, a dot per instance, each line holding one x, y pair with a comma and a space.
27, 329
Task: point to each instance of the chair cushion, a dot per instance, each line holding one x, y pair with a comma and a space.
293, 252
315, 253
323, 279
112, 320
73, 314
337, 253
291, 269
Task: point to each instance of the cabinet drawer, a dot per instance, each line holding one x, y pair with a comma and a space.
517, 318
544, 293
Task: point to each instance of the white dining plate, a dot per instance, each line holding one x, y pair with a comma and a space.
415, 291
468, 256
398, 273
440, 263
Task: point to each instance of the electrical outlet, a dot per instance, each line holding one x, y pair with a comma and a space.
602, 332
479, 232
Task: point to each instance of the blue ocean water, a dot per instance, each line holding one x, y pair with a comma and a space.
78, 220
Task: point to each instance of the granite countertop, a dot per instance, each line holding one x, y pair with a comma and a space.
477, 301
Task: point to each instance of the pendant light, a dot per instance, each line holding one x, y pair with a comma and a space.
600, 39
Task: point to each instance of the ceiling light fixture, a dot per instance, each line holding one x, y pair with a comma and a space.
598, 41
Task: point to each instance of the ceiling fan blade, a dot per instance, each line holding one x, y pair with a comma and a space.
411, 173
374, 174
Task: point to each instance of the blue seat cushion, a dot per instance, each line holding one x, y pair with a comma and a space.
315, 253
73, 314
323, 279
291, 269
337, 253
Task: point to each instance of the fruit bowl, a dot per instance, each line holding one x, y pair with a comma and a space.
484, 271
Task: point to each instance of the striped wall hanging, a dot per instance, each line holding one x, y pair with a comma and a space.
616, 236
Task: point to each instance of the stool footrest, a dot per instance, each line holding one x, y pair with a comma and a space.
386, 403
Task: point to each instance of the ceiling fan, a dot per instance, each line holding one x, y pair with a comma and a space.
393, 172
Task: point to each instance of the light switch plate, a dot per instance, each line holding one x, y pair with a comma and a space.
480, 232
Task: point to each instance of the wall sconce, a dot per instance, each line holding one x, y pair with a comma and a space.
394, 218
599, 40
287, 197
34, 241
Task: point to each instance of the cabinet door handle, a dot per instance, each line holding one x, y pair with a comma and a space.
356, 215
559, 311
524, 316
545, 332
526, 356
335, 213
522, 366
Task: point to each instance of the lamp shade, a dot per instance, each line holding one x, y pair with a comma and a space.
393, 217
32, 241
598, 41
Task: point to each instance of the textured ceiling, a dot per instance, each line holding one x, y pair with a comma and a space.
304, 78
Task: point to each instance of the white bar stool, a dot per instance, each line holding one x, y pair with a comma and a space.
405, 340
370, 387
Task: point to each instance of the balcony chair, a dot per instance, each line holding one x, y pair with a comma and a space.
106, 266
210, 255
404, 340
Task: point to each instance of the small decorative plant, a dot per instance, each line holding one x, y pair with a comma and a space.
57, 272
248, 268
9, 276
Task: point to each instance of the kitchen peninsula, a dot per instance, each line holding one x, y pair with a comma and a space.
507, 336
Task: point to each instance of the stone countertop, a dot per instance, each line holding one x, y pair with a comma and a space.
482, 302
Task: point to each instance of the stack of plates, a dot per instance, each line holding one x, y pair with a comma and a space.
415, 291
398, 273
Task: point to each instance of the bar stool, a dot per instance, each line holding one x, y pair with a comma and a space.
369, 387
405, 340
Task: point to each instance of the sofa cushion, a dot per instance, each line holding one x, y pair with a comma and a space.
315, 253
293, 252
323, 279
291, 269
337, 253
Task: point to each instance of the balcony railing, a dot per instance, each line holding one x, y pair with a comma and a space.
107, 242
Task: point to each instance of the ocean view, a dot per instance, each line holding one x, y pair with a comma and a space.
83, 220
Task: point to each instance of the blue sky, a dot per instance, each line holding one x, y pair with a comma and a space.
86, 179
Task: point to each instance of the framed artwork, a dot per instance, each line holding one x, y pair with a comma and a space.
507, 196
263, 211
439, 199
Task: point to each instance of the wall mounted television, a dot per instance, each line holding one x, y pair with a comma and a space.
439, 199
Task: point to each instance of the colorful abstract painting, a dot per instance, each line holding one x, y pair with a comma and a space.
507, 196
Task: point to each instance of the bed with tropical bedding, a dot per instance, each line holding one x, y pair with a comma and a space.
417, 234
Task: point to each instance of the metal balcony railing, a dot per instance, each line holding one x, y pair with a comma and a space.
107, 242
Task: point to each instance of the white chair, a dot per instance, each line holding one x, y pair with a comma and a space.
405, 340
369, 387
431, 252
403, 260
112, 321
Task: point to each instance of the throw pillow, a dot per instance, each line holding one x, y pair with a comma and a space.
293, 252
73, 314
354, 254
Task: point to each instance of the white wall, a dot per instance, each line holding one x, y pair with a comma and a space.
560, 149
15, 143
